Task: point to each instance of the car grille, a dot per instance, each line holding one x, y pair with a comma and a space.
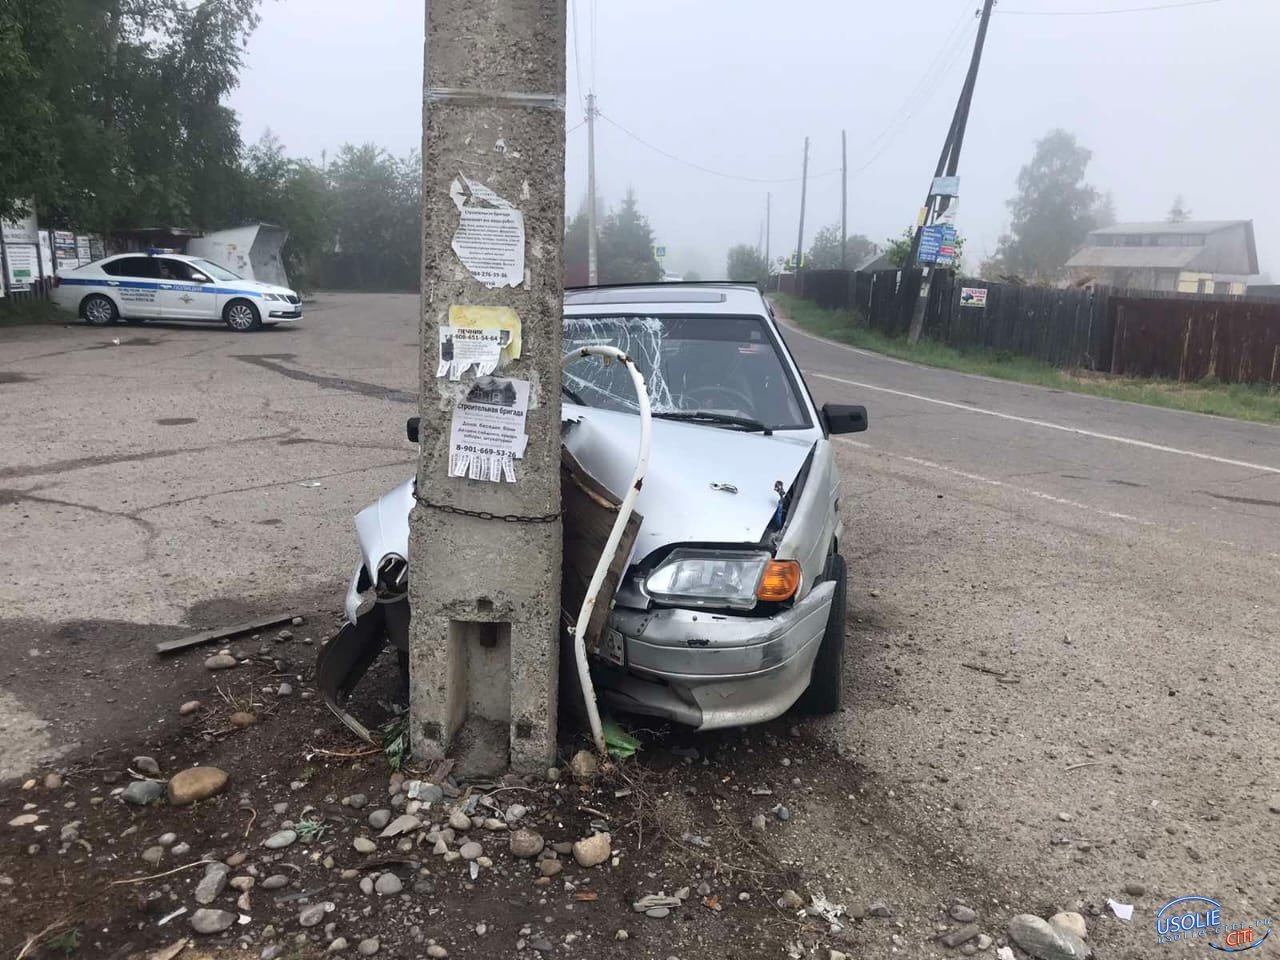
293, 298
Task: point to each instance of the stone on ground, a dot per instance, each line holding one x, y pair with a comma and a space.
196, 783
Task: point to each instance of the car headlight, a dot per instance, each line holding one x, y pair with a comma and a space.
709, 578
272, 296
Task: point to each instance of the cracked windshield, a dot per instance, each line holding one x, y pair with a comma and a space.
604, 480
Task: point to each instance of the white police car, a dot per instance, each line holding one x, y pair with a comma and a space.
136, 287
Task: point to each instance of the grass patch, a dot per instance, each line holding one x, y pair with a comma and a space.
16, 312
1240, 401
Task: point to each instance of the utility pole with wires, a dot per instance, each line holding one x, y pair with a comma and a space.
485, 532
948, 164
768, 225
593, 274
844, 202
804, 189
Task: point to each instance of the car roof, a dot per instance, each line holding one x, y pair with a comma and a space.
661, 298
150, 253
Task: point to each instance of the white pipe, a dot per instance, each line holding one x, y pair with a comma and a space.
609, 353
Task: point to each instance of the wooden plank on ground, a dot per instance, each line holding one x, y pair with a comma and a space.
222, 633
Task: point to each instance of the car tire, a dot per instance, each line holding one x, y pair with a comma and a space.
825, 692
99, 311
241, 316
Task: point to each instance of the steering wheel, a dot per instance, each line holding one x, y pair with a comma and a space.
739, 401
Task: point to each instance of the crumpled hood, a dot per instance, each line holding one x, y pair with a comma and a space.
677, 500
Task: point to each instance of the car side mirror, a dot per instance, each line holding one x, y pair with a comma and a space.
199, 278
411, 428
844, 417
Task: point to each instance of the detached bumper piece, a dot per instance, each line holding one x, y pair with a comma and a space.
345, 660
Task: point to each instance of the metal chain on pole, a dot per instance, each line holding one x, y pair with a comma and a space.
485, 514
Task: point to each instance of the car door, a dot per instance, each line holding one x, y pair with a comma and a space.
185, 292
134, 283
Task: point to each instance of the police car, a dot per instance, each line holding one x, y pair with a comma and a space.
136, 287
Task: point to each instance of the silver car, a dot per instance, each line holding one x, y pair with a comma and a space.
732, 607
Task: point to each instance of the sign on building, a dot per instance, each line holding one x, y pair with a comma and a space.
22, 230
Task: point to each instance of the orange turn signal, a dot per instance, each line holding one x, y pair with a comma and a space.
781, 580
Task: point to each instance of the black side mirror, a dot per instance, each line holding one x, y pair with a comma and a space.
844, 417
411, 428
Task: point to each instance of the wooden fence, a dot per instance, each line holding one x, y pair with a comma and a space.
1127, 332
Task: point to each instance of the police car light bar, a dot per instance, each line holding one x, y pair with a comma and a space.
153, 251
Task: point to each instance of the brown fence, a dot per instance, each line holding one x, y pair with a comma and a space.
1231, 340
1130, 332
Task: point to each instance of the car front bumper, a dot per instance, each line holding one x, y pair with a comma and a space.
712, 670
285, 314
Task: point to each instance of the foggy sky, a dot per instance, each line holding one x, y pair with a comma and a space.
1175, 101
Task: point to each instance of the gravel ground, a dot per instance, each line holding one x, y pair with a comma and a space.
1061, 664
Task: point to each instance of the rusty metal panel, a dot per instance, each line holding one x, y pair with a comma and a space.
1235, 341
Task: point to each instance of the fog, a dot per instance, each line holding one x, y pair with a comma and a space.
1172, 101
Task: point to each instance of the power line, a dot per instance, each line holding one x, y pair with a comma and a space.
594, 12
577, 126
697, 166
577, 61
905, 113
1100, 13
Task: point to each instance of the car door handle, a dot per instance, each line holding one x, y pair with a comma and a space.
113, 283
166, 286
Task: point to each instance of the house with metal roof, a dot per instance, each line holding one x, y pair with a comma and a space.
1194, 256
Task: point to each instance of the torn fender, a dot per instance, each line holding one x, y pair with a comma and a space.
345, 660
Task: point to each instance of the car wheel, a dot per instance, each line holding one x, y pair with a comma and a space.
826, 684
99, 311
241, 316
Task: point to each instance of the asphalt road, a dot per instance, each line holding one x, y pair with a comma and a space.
1061, 605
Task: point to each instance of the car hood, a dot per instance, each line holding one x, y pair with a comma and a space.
685, 497
261, 287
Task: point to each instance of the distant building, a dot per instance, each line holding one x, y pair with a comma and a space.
1195, 256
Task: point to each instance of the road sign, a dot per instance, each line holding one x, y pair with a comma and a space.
659, 252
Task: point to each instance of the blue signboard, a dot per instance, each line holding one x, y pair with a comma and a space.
938, 244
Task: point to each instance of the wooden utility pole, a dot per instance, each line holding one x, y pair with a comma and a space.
844, 202
948, 163
484, 581
804, 188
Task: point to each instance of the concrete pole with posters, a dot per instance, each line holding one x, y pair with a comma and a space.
484, 556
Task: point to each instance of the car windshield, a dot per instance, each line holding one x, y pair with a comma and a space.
215, 271
722, 366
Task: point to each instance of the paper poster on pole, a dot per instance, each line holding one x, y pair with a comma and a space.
46, 254
22, 266
488, 430
82, 251
490, 236
64, 248
461, 349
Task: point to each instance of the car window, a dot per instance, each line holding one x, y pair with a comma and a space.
217, 271
177, 269
144, 267
716, 364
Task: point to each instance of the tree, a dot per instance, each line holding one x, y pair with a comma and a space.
375, 209
1053, 211
746, 264
1178, 213
898, 249
625, 246
825, 252
28, 158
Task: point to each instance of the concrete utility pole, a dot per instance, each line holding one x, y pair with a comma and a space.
485, 556
948, 162
804, 189
768, 225
593, 274
844, 202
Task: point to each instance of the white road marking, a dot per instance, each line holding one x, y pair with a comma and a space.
1048, 425
992, 482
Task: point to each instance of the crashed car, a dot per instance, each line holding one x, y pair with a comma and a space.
731, 608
